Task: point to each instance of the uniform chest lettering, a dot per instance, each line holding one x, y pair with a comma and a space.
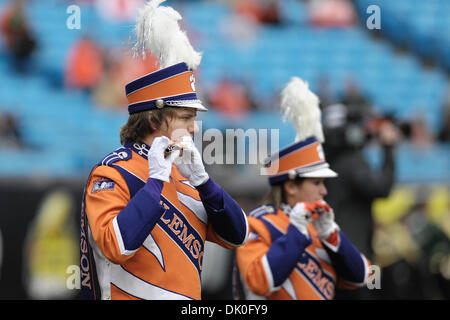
178, 228
313, 271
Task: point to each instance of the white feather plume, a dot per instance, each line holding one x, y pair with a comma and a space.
157, 30
301, 107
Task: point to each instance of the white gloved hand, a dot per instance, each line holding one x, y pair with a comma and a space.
160, 167
300, 216
324, 223
190, 164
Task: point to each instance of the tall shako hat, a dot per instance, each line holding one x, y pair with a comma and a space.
157, 30
305, 157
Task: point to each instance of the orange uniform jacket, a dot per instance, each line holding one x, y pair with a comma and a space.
278, 262
144, 239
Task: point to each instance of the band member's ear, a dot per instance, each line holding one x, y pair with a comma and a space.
289, 187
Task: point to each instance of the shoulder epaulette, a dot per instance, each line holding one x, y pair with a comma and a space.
119, 154
262, 210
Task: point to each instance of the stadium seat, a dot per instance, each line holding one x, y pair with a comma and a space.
53, 116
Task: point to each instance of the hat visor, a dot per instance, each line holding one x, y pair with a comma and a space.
194, 105
319, 173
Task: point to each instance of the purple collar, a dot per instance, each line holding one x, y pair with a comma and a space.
140, 148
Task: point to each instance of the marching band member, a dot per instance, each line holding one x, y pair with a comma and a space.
295, 249
149, 206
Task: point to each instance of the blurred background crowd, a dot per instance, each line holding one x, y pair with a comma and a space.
385, 101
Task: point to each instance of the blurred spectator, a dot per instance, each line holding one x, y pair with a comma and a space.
231, 98
84, 65
9, 131
358, 185
324, 92
420, 135
19, 40
121, 68
435, 249
355, 101
261, 11
331, 13
444, 133
411, 244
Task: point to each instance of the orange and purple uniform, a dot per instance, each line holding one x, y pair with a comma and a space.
278, 262
142, 238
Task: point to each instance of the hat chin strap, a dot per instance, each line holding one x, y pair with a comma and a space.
312, 168
181, 103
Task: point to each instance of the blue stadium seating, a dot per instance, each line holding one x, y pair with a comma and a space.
70, 132
418, 25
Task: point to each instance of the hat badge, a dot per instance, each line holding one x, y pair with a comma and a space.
159, 103
192, 79
320, 152
292, 174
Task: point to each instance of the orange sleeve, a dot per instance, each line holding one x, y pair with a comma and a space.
250, 258
102, 206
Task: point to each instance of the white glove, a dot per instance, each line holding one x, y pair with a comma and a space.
160, 167
300, 216
324, 223
190, 164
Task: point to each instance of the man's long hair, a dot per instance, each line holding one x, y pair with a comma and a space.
141, 124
